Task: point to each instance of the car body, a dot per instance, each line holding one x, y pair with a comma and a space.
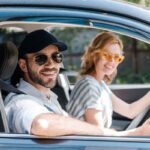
115, 16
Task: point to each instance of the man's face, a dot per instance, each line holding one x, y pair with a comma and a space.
43, 67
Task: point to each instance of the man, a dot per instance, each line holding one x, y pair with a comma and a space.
38, 111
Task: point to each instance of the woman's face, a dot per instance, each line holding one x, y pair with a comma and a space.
109, 59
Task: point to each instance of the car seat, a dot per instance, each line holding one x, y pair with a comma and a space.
8, 62
62, 88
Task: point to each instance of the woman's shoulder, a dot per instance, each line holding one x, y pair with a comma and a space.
87, 81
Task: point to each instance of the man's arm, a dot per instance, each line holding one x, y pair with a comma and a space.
50, 124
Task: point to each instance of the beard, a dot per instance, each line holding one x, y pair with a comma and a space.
50, 83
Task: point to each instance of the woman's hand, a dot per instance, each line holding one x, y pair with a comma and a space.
145, 128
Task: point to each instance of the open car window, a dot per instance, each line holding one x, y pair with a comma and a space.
134, 79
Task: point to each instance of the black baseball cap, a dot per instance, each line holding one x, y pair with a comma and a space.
37, 40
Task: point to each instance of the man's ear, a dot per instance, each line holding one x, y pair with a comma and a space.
22, 65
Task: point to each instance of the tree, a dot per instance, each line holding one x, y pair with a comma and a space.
145, 3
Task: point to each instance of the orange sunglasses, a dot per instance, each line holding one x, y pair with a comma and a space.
109, 56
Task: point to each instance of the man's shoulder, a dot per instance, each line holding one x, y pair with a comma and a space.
10, 96
13, 97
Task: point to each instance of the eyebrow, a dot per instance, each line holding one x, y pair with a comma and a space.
38, 53
41, 53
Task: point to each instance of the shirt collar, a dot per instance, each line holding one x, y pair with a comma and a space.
31, 90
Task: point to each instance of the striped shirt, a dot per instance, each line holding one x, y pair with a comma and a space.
88, 93
21, 109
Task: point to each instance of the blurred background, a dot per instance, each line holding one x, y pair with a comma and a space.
144, 3
134, 69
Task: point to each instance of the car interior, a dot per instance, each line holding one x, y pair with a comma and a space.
9, 56
8, 63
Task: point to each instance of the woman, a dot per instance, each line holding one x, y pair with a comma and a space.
91, 99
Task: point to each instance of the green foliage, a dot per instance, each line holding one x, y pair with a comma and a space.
133, 1
130, 77
141, 2
142, 46
70, 34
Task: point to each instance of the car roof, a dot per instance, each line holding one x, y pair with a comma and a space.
111, 15
116, 7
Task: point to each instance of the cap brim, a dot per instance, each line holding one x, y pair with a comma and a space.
61, 46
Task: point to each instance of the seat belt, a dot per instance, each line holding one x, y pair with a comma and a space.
9, 88
3, 114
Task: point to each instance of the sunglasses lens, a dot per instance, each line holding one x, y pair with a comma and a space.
110, 57
57, 57
41, 59
106, 56
118, 58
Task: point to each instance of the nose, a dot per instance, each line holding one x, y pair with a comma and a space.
111, 58
50, 62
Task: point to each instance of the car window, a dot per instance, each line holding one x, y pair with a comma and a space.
136, 53
134, 69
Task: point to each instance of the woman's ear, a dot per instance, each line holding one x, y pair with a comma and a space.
22, 65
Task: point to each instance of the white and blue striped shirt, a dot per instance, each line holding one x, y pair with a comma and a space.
89, 93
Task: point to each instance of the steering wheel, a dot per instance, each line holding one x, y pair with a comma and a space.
136, 121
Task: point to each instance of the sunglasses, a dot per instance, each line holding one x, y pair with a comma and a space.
42, 59
109, 56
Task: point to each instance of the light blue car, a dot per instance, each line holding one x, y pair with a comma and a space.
20, 16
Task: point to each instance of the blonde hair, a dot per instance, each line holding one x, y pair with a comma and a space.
90, 55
